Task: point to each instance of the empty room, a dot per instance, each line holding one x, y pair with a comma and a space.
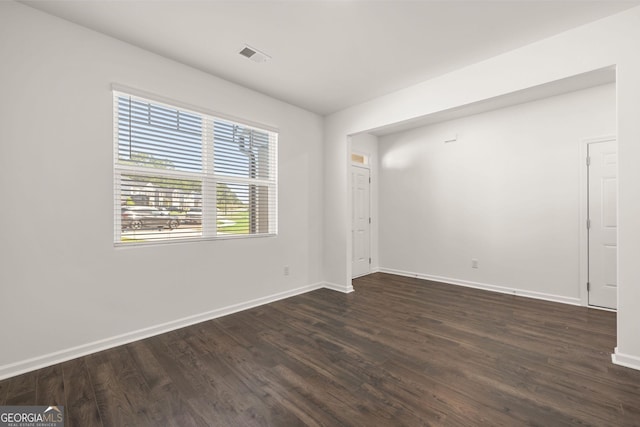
222, 213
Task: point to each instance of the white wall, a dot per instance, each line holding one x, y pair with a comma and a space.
506, 193
62, 283
611, 41
365, 143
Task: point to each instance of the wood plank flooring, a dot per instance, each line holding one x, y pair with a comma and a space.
398, 351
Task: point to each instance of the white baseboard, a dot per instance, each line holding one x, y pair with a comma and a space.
486, 286
371, 271
625, 360
17, 368
340, 288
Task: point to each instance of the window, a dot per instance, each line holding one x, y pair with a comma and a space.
182, 175
360, 159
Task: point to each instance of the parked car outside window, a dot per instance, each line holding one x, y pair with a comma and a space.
146, 217
193, 216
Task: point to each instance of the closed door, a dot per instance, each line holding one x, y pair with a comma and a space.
361, 221
603, 224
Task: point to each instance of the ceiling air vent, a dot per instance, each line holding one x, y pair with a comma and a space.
254, 54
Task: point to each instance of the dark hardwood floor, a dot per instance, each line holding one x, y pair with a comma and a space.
398, 351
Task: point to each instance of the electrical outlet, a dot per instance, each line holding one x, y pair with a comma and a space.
286, 270
474, 263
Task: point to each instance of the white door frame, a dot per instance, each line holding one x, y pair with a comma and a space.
367, 167
584, 204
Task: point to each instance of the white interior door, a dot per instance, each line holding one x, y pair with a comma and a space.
603, 224
361, 221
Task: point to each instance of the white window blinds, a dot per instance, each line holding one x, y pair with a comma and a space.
183, 175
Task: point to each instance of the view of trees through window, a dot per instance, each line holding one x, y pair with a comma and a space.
183, 175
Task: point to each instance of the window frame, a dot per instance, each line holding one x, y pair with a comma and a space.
208, 178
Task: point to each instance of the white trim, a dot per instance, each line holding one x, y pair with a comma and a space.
363, 274
584, 236
595, 307
17, 368
349, 215
339, 288
584, 213
371, 271
190, 240
486, 287
625, 360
